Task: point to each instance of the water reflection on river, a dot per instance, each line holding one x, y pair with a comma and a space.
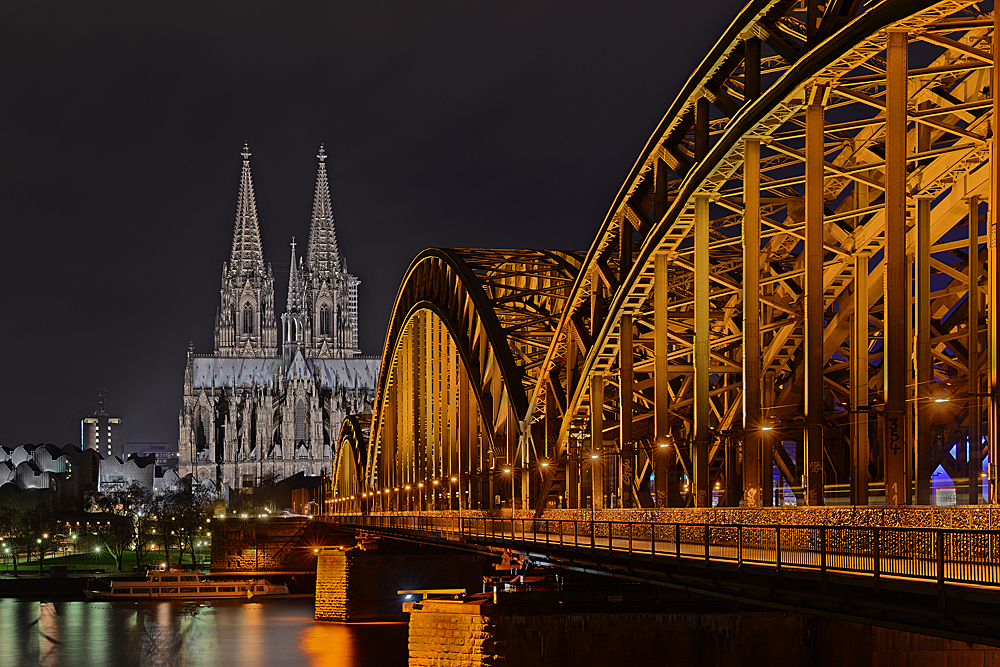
189, 634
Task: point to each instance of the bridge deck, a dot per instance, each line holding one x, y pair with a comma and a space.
936, 554
941, 581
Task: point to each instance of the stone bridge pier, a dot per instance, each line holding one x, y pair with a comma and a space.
360, 584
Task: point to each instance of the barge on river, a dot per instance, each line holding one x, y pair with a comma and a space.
163, 586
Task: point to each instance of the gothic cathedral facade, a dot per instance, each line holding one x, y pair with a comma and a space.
271, 400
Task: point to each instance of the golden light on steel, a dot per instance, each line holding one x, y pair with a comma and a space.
770, 253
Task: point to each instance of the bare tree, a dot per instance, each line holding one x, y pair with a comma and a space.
43, 529
164, 530
129, 513
15, 531
187, 508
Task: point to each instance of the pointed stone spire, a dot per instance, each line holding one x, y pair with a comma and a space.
294, 304
247, 257
323, 255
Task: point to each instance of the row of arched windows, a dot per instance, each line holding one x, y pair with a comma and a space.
325, 320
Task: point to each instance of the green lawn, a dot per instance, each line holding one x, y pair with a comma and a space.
93, 561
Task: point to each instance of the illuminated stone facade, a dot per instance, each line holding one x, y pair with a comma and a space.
253, 408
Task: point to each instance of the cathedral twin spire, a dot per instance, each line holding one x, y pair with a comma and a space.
247, 257
324, 255
321, 312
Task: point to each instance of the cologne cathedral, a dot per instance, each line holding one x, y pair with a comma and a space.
270, 400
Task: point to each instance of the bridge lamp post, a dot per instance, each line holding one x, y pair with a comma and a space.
507, 471
451, 493
420, 491
434, 504
408, 498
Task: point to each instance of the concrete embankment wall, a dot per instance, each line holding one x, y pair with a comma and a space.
477, 633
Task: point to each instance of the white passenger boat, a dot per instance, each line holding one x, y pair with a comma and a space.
181, 586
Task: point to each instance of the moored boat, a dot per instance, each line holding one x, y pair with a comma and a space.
182, 586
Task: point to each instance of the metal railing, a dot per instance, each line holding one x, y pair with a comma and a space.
936, 554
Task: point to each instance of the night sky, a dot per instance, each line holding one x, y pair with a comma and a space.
454, 124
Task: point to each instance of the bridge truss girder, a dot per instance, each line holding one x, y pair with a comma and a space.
793, 153
823, 164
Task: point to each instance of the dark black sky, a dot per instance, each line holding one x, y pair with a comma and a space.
455, 124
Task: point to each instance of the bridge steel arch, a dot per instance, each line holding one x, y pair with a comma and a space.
347, 483
782, 283
820, 163
469, 330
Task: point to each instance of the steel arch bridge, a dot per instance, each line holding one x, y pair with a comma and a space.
798, 282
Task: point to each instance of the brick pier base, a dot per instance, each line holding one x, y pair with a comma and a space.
477, 633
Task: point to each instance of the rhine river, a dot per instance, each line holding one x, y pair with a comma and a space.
190, 634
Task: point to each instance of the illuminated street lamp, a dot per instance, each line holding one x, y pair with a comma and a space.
595, 459
507, 471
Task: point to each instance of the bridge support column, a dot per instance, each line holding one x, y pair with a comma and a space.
922, 355
597, 441
663, 450
626, 486
975, 457
993, 278
896, 362
699, 454
859, 383
573, 474
465, 468
751, 327
923, 366
812, 470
